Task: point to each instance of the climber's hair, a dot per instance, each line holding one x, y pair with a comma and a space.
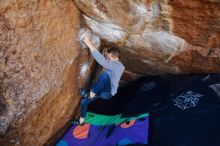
114, 51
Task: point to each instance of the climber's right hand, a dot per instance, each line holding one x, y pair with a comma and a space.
88, 41
86, 38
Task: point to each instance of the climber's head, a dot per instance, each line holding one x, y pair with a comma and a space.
113, 54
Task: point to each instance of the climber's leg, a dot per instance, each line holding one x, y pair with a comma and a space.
101, 89
102, 85
84, 106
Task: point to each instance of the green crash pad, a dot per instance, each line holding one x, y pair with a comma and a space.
100, 120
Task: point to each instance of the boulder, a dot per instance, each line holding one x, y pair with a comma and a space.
42, 67
159, 36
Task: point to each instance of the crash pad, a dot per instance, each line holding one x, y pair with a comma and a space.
133, 132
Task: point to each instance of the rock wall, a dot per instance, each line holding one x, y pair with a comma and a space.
41, 70
159, 36
198, 22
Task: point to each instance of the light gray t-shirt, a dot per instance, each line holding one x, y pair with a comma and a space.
115, 69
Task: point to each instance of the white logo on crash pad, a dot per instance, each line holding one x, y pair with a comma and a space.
187, 100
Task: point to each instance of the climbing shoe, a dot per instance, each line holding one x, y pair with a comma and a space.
84, 92
76, 122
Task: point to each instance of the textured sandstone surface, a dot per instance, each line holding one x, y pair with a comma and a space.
41, 69
180, 36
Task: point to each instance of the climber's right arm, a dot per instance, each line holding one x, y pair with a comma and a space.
96, 54
89, 43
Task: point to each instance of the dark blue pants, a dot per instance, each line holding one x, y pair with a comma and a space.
102, 89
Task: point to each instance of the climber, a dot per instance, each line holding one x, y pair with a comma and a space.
107, 83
